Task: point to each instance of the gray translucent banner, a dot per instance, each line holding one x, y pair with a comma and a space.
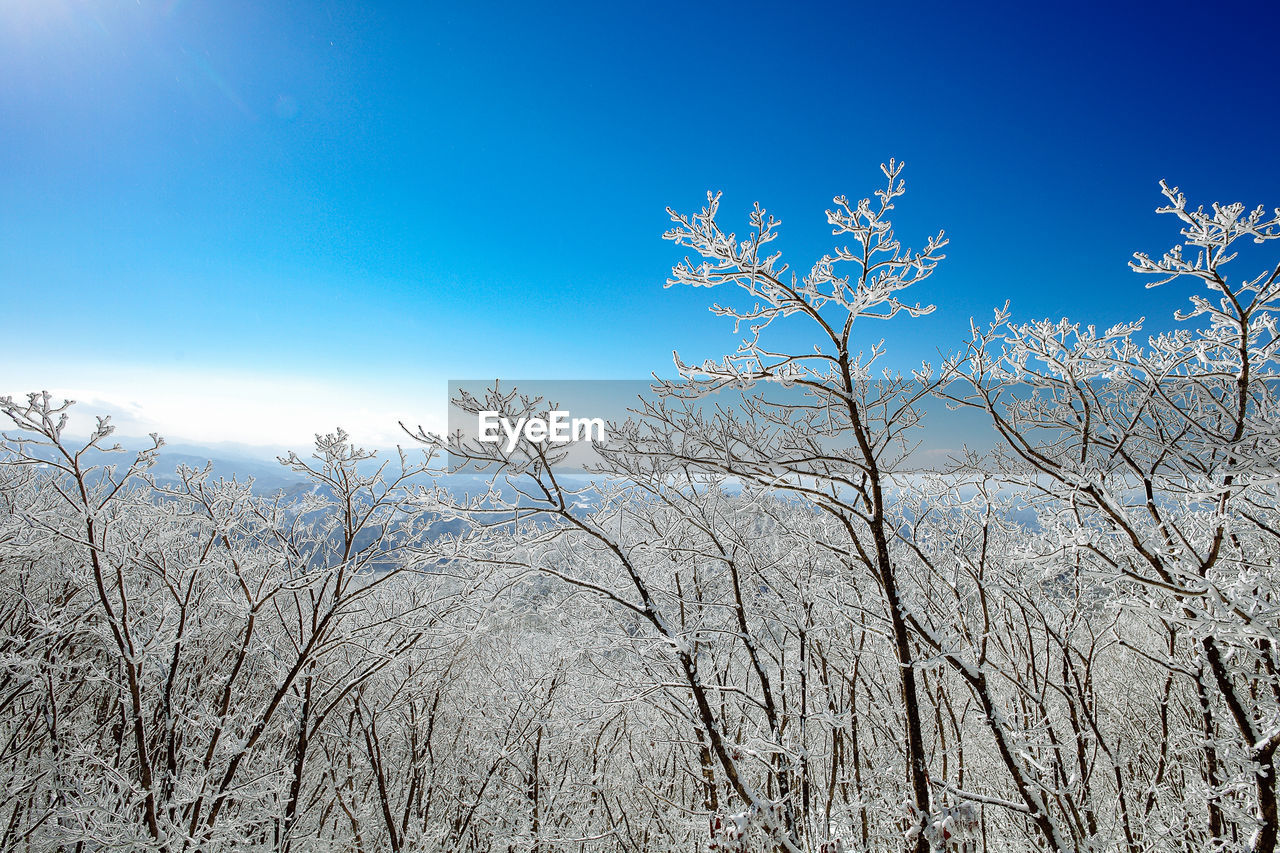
572, 425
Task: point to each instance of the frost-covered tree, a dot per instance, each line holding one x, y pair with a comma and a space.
203, 636
1153, 461
839, 447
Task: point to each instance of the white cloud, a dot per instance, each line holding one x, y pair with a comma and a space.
202, 405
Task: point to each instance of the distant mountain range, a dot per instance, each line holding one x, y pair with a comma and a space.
262, 464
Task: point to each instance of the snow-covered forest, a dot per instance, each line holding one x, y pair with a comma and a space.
769, 629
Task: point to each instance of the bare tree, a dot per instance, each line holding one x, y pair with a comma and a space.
1155, 460
839, 447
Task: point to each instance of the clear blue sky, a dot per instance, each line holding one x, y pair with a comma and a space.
390, 195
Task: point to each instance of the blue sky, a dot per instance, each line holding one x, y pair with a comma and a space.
210, 209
